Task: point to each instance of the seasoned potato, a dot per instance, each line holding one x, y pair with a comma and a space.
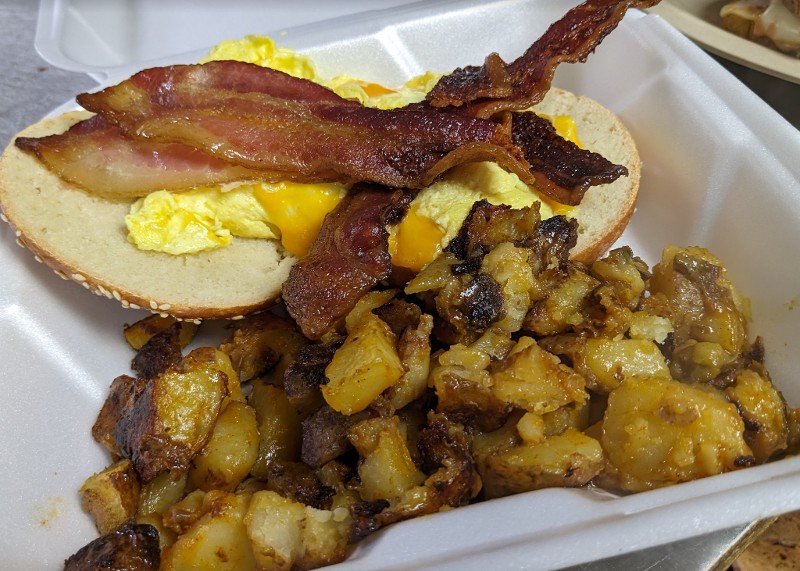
464, 389
763, 410
566, 460
608, 361
279, 426
367, 303
535, 380
111, 496
230, 452
172, 417
183, 514
386, 469
217, 540
506, 263
708, 308
363, 367
287, 535
263, 342
658, 431
624, 272
161, 492
414, 350
562, 308
143, 330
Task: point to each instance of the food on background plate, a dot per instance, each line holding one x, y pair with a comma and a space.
774, 23
248, 274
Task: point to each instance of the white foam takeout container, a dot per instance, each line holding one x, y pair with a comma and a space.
721, 170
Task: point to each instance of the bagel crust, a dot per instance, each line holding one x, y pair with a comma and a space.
83, 237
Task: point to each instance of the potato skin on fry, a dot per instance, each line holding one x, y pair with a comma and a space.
169, 418
111, 497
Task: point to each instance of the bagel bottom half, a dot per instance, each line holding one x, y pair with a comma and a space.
83, 237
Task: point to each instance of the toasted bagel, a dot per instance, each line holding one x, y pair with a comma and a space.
83, 237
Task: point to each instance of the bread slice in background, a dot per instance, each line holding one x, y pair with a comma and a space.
84, 238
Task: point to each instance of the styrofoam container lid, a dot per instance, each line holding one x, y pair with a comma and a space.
720, 170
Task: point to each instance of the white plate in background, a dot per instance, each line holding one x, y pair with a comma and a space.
699, 19
720, 170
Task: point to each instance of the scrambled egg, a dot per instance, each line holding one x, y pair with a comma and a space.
207, 218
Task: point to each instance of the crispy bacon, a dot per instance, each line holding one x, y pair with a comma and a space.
348, 258
562, 170
239, 121
294, 131
495, 86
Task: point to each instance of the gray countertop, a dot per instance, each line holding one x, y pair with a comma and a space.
30, 88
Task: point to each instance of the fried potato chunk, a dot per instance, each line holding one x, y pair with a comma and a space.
386, 469
363, 367
278, 426
535, 380
658, 431
217, 540
111, 496
172, 415
230, 452
288, 535
569, 459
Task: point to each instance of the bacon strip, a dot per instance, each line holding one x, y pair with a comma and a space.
559, 164
495, 86
258, 123
96, 155
348, 258
296, 131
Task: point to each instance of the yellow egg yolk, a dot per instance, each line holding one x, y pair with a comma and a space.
207, 218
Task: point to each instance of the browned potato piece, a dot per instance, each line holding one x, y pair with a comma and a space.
414, 349
288, 535
279, 427
230, 453
111, 496
386, 469
172, 416
363, 367
160, 493
217, 540
566, 460
561, 309
707, 306
659, 431
367, 303
140, 332
132, 546
464, 389
610, 360
535, 380
507, 264
183, 514
263, 342
763, 410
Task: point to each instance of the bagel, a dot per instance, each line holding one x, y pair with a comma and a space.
84, 238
